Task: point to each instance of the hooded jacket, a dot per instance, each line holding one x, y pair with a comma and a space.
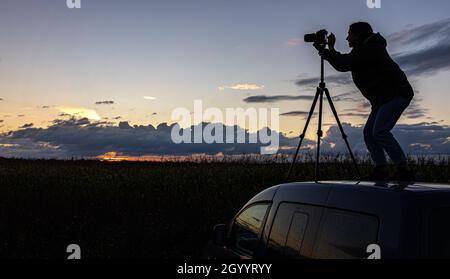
374, 72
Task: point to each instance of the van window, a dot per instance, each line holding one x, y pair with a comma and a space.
439, 233
345, 235
293, 231
247, 228
296, 234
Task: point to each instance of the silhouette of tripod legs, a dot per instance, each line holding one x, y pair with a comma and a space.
319, 96
344, 136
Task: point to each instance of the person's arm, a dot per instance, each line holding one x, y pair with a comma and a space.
341, 62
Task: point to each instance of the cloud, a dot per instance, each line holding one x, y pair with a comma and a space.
117, 117
277, 98
149, 98
104, 103
242, 86
1, 99
86, 138
420, 34
355, 114
81, 113
29, 125
21, 115
8, 145
423, 137
414, 110
429, 46
45, 107
427, 61
352, 96
1, 121
297, 113
294, 42
334, 80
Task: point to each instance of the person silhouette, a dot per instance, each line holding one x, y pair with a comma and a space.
386, 87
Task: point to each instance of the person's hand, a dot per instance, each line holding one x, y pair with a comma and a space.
331, 41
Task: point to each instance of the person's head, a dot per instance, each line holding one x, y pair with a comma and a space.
358, 32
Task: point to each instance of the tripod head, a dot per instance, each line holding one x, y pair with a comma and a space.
320, 42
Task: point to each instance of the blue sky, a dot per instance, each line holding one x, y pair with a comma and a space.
56, 60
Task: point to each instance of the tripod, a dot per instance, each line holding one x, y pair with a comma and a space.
319, 96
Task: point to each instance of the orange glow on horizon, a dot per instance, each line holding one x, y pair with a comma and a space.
119, 157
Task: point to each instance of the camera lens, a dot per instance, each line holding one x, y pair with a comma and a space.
310, 38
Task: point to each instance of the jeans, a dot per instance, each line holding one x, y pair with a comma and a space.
377, 132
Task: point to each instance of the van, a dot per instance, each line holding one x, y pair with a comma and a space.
339, 220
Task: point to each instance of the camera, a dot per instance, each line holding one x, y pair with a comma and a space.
320, 39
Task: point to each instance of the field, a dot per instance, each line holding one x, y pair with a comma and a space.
139, 209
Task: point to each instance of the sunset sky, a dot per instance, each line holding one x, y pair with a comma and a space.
136, 61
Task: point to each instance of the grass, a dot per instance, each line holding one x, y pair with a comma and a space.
140, 209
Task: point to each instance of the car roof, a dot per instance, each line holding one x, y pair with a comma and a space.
393, 186
322, 192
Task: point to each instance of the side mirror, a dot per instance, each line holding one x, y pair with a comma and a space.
220, 234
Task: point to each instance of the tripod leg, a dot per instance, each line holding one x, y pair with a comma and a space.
344, 136
319, 136
302, 136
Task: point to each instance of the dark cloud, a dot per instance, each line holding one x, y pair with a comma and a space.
154, 113
104, 103
417, 35
1, 121
297, 113
83, 138
428, 138
334, 80
117, 117
45, 107
415, 113
433, 52
426, 61
21, 115
277, 98
1, 99
64, 114
355, 114
25, 126
352, 96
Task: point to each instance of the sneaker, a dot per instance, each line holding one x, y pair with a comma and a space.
379, 173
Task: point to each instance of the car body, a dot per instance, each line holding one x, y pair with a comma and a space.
339, 220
